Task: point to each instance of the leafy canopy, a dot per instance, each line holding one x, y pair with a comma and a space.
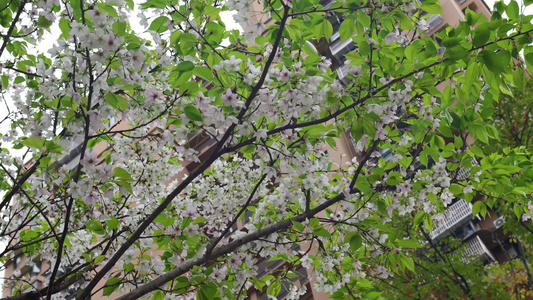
142, 151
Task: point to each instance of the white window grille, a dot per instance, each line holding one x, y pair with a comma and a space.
476, 247
434, 21
343, 70
456, 213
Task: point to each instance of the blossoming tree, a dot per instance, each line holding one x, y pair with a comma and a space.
121, 220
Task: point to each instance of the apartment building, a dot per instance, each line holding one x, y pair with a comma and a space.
459, 221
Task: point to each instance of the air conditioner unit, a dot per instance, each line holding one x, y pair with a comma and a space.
499, 222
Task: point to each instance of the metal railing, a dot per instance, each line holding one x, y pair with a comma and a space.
434, 21
455, 214
476, 247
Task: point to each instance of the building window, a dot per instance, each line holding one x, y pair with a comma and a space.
16, 263
35, 270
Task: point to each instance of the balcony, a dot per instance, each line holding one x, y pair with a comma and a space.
455, 215
339, 48
434, 21
476, 247
462, 173
342, 70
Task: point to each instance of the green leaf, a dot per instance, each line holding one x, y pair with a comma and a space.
405, 21
357, 131
43, 22
471, 76
119, 28
322, 232
204, 73
113, 223
418, 218
214, 32
118, 172
111, 285
347, 29
95, 226
157, 25
200, 220
53, 147
309, 48
529, 58
356, 241
456, 53
408, 262
478, 208
324, 29
185, 66
362, 184
116, 101
99, 259
431, 8
274, 288
298, 226
481, 35
518, 211
109, 9
182, 282
369, 128
128, 267
193, 113
408, 243
496, 62
313, 222
476, 151
64, 25
207, 292
19, 79
164, 220
512, 10
155, 4
33, 142
481, 134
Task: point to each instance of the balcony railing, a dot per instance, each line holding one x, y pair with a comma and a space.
342, 70
337, 46
463, 173
455, 214
476, 247
434, 21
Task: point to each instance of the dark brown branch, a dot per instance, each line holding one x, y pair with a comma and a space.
12, 27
